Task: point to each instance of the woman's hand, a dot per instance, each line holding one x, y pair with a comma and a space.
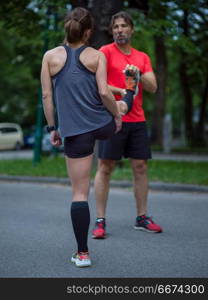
118, 122
55, 138
122, 107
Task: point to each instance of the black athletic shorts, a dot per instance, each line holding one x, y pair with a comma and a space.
82, 145
130, 142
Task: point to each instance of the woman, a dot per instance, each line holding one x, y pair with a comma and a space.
86, 111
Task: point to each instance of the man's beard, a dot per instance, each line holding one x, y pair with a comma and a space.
121, 41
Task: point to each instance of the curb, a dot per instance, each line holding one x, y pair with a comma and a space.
155, 186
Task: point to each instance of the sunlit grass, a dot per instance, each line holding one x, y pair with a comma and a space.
159, 170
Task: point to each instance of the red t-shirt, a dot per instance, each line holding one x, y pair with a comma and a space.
116, 63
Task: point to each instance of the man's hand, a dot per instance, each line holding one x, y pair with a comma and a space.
55, 138
131, 70
132, 77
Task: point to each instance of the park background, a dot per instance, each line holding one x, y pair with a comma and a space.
173, 33
36, 239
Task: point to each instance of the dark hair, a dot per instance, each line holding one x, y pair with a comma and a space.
125, 16
76, 22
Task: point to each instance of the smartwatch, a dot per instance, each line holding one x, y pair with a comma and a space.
50, 128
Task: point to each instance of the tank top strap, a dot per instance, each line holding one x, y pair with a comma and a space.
73, 56
69, 54
78, 52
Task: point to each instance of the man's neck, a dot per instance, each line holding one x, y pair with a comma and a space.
126, 48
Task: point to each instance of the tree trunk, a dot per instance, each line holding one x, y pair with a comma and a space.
102, 10
188, 102
81, 3
183, 71
160, 97
200, 133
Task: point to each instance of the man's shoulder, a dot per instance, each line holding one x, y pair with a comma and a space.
141, 53
107, 47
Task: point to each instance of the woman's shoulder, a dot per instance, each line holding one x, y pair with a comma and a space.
91, 50
55, 50
91, 53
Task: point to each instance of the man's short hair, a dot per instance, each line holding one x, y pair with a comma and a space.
125, 16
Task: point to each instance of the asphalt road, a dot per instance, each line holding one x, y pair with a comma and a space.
36, 237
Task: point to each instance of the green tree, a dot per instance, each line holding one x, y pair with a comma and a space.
192, 46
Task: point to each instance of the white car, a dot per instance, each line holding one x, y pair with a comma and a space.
11, 136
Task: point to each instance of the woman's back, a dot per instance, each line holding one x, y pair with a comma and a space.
79, 106
57, 59
83, 100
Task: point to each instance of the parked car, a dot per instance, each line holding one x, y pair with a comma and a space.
11, 136
29, 137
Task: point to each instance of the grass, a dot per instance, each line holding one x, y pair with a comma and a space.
159, 170
50, 167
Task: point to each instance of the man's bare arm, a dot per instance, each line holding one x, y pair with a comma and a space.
149, 82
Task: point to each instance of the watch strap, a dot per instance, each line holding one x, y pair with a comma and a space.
50, 128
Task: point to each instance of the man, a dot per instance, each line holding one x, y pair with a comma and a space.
132, 141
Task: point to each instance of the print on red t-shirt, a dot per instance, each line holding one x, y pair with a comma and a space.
116, 63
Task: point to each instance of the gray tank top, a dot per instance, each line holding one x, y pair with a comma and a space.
78, 103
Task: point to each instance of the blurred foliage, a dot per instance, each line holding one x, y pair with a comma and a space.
27, 29
194, 44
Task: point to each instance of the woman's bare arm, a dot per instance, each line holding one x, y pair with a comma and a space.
47, 94
47, 98
104, 91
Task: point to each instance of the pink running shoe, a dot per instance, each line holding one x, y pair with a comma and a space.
146, 223
99, 230
81, 259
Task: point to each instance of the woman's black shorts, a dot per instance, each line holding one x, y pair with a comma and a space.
130, 142
83, 144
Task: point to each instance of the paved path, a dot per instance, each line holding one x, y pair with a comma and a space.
37, 239
22, 154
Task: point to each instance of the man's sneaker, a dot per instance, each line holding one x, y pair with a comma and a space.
81, 259
146, 223
99, 230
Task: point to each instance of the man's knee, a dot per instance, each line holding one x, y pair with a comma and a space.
139, 167
106, 167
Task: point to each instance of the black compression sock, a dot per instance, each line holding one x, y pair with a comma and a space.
80, 216
129, 98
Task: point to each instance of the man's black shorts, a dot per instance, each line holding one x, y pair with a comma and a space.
131, 142
82, 145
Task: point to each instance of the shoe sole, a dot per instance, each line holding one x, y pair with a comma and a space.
80, 266
98, 237
146, 230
